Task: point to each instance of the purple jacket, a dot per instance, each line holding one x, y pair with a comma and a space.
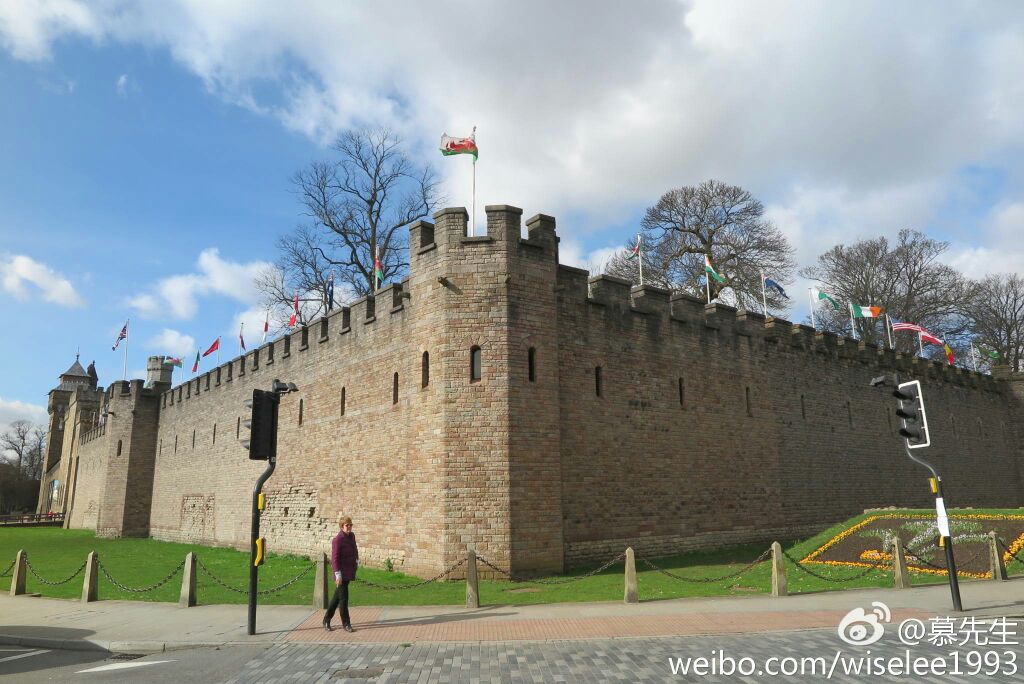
345, 555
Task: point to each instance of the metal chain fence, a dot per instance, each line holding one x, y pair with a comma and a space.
920, 559
42, 579
263, 592
836, 580
142, 590
10, 567
709, 580
394, 587
559, 580
1012, 554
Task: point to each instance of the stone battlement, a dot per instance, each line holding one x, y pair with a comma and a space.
499, 400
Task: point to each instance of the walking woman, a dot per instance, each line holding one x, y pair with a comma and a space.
344, 560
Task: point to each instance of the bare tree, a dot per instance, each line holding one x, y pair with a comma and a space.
724, 223
357, 205
997, 313
906, 279
22, 445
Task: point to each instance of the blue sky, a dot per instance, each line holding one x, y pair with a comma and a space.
147, 147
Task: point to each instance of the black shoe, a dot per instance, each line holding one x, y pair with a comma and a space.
327, 626
348, 628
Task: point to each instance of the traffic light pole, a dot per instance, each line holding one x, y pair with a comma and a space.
254, 569
915, 434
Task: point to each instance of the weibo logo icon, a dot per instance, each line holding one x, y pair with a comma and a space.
861, 628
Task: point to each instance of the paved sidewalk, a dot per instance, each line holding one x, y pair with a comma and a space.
154, 627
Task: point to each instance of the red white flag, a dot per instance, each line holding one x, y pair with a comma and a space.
213, 347
266, 327
295, 313
929, 338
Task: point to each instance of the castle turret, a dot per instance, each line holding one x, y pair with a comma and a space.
158, 372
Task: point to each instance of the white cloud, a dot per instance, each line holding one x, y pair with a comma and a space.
253, 319
17, 271
1004, 248
178, 296
172, 342
29, 29
122, 85
572, 253
12, 410
818, 108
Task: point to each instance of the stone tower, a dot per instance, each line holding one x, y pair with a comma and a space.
73, 381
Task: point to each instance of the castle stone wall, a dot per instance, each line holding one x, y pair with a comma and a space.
711, 426
777, 432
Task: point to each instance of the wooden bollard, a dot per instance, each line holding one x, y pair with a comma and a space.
321, 591
18, 576
630, 594
901, 578
995, 558
472, 583
89, 592
187, 599
779, 587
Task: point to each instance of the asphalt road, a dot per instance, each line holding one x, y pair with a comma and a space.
605, 660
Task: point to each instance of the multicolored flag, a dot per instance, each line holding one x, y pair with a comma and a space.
213, 347
295, 313
195, 366
120, 336
771, 284
450, 145
949, 354
241, 338
929, 338
172, 361
818, 294
378, 270
639, 249
710, 270
866, 311
990, 353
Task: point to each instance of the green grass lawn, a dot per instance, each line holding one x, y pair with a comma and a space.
56, 553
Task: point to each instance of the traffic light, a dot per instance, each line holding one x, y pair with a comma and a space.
262, 425
911, 412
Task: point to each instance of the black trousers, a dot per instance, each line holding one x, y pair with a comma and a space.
340, 597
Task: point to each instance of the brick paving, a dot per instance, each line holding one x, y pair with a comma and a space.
374, 625
644, 659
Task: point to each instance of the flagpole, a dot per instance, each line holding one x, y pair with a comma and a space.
764, 296
810, 301
974, 358
853, 322
241, 331
218, 351
707, 284
472, 224
640, 257
888, 332
124, 376
920, 345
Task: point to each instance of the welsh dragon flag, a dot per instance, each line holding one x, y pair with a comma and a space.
378, 270
710, 270
450, 145
636, 251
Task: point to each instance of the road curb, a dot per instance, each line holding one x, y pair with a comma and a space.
136, 647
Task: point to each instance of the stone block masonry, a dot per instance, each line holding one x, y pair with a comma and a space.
500, 401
